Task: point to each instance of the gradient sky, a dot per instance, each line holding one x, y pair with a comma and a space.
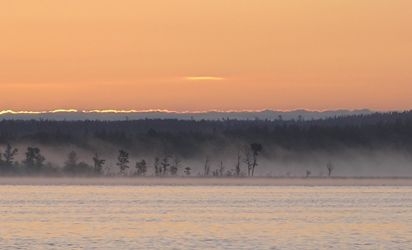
205, 54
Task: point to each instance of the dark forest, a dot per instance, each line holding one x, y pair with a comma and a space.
186, 147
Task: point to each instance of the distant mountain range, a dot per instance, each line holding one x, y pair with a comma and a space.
112, 115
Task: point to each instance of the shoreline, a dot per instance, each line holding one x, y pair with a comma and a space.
209, 181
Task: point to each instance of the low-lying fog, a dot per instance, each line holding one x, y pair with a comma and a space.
276, 162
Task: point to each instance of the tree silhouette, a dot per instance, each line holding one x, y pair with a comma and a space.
247, 159
221, 169
188, 171
256, 149
190, 139
141, 168
157, 168
98, 164
330, 167
175, 166
9, 154
123, 161
206, 167
71, 164
165, 165
237, 166
34, 160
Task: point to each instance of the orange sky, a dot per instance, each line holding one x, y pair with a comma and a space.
205, 54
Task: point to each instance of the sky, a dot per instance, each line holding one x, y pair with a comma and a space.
197, 55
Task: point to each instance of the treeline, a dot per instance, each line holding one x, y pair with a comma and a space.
164, 145
189, 138
34, 163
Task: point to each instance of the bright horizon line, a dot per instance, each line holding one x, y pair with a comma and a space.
115, 111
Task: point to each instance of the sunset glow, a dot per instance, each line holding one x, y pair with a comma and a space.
185, 55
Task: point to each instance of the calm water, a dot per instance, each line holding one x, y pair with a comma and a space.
205, 217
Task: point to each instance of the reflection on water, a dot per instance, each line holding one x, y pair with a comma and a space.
231, 217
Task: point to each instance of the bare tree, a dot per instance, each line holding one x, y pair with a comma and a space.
123, 161
98, 164
256, 149
206, 167
165, 165
330, 168
247, 159
221, 169
237, 166
174, 168
157, 168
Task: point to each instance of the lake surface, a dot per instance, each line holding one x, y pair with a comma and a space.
205, 217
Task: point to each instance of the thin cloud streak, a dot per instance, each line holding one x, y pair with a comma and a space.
204, 78
3, 112
114, 111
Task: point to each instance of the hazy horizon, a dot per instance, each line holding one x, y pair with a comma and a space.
72, 110
111, 114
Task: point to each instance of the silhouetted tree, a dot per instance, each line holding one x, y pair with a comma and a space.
9, 154
34, 160
237, 166
98, 164
157, 168
256, 149
188, 171
165, 165
175, 166
191, 138
229, 173
71, 164
247, 159
141, 168
83, 168
329, 167
221, 169
206, 167
123, 161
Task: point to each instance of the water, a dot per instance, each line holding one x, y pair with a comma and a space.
205, 217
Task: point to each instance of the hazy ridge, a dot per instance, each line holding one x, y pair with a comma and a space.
113, 115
